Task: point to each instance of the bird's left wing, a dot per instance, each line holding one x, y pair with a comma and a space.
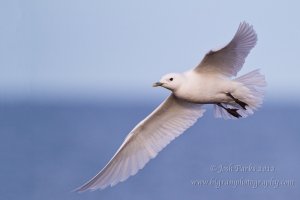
230, 59
143, 143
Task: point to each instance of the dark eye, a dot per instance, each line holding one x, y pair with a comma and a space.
171, 79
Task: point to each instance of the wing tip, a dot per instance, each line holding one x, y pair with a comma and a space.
80, 189
246, 28
84, 188
89, 188
245, 25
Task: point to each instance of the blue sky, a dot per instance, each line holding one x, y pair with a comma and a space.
103, 49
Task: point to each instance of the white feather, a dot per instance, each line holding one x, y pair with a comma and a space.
230, 59
144, 142
208, 83
251, 92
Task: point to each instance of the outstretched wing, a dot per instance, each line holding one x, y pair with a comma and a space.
230, 59
144, 142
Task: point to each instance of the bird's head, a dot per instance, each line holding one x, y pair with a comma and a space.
170, 81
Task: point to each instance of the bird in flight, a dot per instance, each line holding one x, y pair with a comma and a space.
211, 82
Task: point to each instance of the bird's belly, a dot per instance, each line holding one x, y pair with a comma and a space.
207, 98
211, 93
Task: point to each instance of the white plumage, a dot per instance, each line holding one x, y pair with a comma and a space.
208, 83
230, 59
149, 137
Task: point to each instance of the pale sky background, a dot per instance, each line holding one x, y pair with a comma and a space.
54, 49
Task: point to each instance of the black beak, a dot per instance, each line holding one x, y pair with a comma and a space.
157, 84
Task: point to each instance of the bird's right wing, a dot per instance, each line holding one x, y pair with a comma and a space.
144, 142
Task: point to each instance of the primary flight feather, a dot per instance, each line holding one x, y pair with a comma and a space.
209, 83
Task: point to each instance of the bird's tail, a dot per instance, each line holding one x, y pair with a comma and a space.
251, 92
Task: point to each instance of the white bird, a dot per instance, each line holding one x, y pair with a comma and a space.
209, 83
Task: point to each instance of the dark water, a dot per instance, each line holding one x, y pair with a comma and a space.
47, 150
